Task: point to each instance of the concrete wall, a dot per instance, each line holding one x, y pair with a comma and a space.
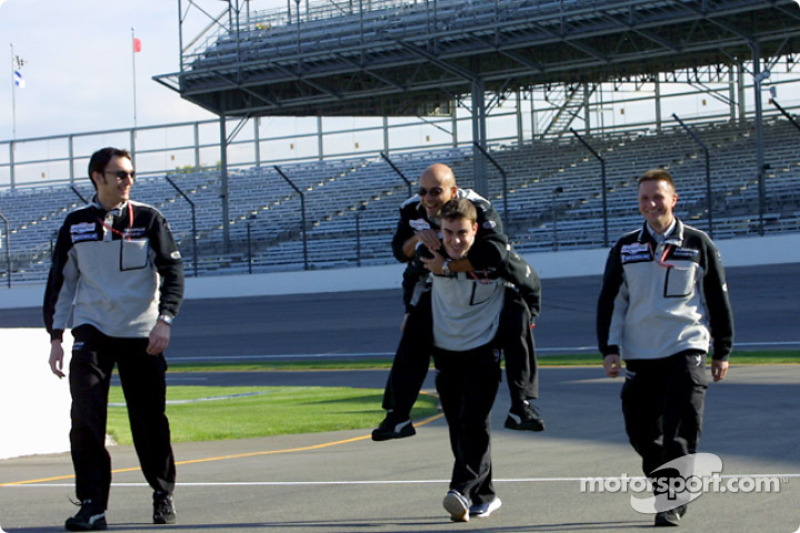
35, 404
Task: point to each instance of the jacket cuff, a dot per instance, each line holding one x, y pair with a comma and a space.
611, 349
57, 335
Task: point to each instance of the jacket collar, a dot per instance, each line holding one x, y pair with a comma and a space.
116, 210
675, 238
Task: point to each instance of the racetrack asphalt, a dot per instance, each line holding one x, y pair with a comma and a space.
344, 482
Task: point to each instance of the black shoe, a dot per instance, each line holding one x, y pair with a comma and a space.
163, 508
91, 517
524, 417
393, 428
671, 518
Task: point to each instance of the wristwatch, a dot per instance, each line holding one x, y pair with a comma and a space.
446, 267
166, 319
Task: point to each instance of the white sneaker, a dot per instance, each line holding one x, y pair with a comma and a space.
482, 510
457, 505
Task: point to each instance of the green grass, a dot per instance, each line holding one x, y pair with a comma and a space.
285, 410
590, 359
272, 411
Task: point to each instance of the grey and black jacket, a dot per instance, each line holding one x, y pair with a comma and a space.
661, 299
116, 270
490, 248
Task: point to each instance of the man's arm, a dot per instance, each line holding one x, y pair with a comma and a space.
61, 283
719, 308
607, 301
405, 238
170, 268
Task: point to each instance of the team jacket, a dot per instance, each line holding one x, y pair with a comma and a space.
661, 299
466, 305
116, 270
490, 241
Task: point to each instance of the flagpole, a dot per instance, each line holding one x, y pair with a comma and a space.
133, 62
13, 96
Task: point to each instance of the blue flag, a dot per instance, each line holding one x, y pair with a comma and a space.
19, 81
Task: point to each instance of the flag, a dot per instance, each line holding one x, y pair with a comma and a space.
137, 44
19, 81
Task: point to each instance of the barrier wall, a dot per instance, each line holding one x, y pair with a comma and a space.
34, 417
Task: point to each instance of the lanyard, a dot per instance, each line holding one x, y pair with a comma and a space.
124, 234
663, 260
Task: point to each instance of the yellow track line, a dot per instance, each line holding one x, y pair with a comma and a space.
226, 457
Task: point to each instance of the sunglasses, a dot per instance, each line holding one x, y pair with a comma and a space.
435, 191
122, 174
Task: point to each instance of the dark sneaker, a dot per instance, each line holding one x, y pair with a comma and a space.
524, 417
457, 505
163, 508
91, 517
482, 510
392, 428
671, 518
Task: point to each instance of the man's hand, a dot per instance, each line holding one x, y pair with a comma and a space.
435, 263
612, 365
57, 358
159, 338
430, 238
719, 369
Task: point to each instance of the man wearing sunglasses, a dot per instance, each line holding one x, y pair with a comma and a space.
663, 303
418, 231
117, 280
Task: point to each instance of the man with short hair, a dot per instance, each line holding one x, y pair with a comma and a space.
466, 309
663, 302
418, 230
117, 280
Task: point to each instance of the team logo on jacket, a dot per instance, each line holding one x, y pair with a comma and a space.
636, 252
490, 224
685, 253
135, 233
85, 231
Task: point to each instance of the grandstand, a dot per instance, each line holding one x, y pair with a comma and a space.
248, 216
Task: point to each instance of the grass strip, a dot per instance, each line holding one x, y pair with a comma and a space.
770, 357
221, 413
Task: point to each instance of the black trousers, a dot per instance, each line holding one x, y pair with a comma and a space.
662, 403
144, 385
467, 383
412, 358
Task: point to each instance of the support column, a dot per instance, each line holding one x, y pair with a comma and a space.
758, 78
479, 136
520, 135
320, 147
658, 102
223, 189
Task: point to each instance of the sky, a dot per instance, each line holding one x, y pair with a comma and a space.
78, 67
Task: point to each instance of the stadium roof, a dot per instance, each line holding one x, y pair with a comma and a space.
405, 57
